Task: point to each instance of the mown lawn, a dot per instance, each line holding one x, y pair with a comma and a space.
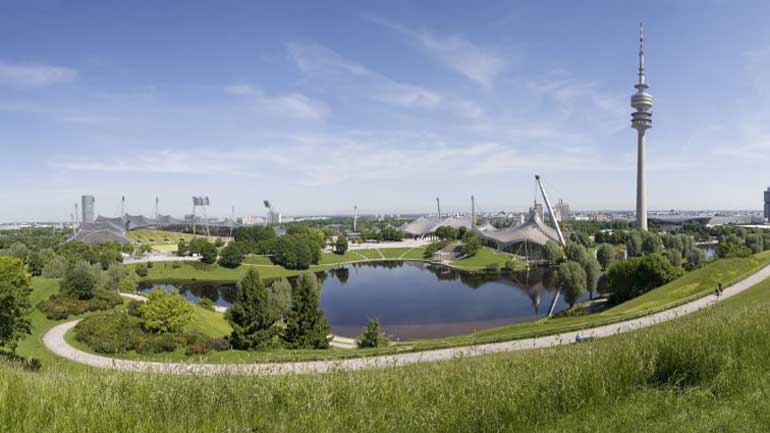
370, 253
484, 257
704, 372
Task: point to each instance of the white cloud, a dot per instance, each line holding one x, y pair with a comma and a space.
240, 89
327, 66
474, 62
34, 75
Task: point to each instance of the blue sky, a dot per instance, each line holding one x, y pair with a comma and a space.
322, 105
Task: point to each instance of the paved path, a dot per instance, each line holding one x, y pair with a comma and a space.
54, 341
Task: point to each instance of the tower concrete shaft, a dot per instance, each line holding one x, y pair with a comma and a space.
641, 120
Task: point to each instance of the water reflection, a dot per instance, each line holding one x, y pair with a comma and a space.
414, 299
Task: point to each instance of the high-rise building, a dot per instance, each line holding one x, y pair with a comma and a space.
561, 209
767, 204
641, 120
87, 207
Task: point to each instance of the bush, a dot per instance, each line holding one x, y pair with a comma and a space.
471, 244
60, 306
133, 308
113, 332
12, 359
491, 268
219, 344
206, 304
373, 335
630, 278
157, 344
142, 271
232, 255
165, 311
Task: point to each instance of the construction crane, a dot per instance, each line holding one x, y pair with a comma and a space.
558, 232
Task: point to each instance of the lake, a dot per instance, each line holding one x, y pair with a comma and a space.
414, 299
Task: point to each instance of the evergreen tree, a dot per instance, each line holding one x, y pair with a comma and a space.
251, 315
373, 335
306, 326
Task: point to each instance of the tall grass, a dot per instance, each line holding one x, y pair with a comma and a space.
707, 372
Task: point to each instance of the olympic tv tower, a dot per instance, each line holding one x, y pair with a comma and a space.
641, 120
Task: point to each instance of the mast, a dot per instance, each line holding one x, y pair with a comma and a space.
473, 211
438, 207
355, 218
550, 211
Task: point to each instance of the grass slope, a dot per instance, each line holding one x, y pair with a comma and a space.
484, 257
705, 372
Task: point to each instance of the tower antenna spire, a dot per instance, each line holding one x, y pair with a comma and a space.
641, 55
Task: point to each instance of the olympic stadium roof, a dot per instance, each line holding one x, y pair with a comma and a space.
99, 232
428, 225
533, 230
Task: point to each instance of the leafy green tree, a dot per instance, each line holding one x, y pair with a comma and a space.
252, 316
695, 258
14, 302
471, 244
634, 244
674, 257
576, 252
55, 268
373, 335
165, 311
651, 243
115, 274
606, 255
79, 281
573, 281
182, 248
36, 261
593, 270
19, 250
219, 242
295, 252
754, 243
630, 278
279, 295
552, 252
391, 234
726, 249
446, 233
341, 246
232, 255
306, 325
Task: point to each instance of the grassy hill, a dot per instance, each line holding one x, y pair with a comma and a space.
705, 372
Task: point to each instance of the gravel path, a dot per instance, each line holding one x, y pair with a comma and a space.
54, 341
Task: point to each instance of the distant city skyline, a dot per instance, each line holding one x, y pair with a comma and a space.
318, 108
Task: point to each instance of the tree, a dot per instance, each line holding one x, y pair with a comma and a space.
19, 250
593, 271
79, 281
306, 326
341, 246
55, 268
471, 244
573, 281
695, 258
674, 257
207, 251
251, 315
634, 244
36, 261
755, 243
14, 302
630, 278
182, 248
576, 252
165, 311
651, 243
295, 252
446, 233
373, 335
232, 255
279, 295
552, 252
606, 255
115, 274
727, 249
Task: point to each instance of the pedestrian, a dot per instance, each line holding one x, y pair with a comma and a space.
716, 292
721, 288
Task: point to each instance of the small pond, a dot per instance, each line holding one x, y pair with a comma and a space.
414, 299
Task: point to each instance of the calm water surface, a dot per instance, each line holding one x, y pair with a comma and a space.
413, 299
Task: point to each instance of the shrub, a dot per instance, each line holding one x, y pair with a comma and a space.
133, 308
165, 311
176, 264
219, 344
630, 278
157, 344
113, 332
373, 335
55, 268
492, 268
471, 244
12, 359
60, 306
205, 303
142, 271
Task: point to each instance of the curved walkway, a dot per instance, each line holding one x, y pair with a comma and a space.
54, 341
